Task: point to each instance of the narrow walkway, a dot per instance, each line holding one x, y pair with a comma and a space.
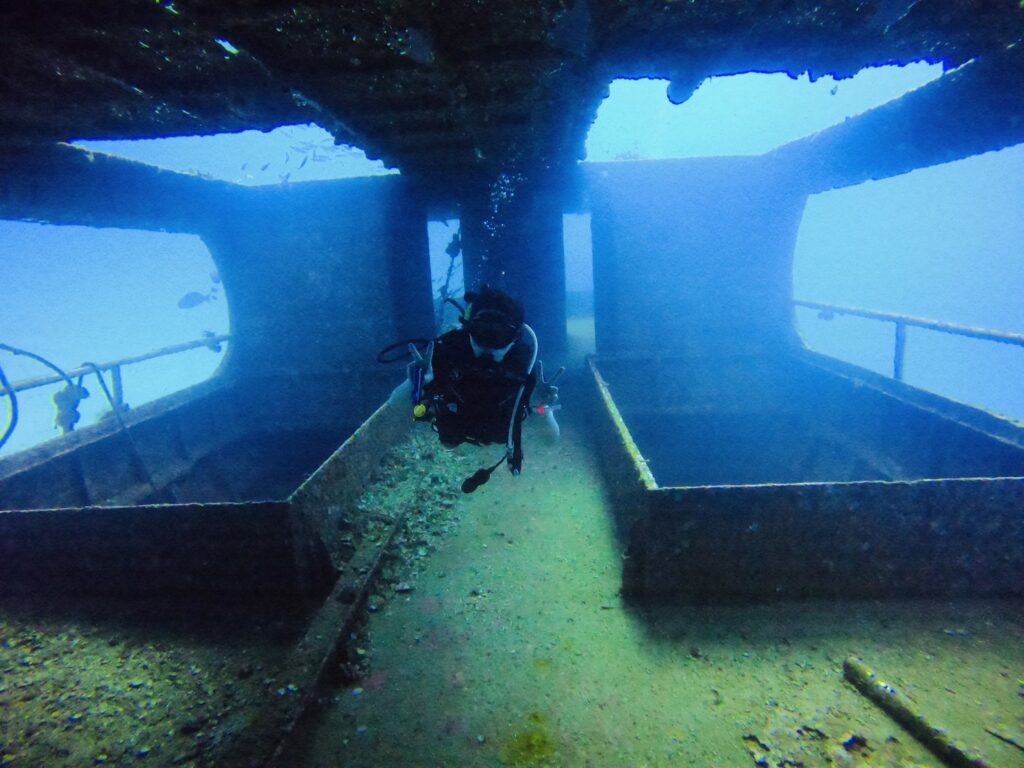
514, 649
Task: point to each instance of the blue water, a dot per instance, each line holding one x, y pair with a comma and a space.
76, 294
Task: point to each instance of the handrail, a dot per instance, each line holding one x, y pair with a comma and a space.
902, 321
211, 341
933, 325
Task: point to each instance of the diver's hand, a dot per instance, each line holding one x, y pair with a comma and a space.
547, 392
423, 362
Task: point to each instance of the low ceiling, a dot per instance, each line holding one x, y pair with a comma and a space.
441, 90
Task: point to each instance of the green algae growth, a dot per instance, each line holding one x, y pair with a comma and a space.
531, 747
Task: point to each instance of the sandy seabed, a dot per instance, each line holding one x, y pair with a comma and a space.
514, 648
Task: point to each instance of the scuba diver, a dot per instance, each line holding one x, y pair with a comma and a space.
474, 383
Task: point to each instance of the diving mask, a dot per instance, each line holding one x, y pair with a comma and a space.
498, 353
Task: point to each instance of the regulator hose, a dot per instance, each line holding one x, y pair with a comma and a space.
124, 428
13, 422
10, 390
387, 355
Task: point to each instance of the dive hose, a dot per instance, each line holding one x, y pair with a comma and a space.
13, 422
482, 475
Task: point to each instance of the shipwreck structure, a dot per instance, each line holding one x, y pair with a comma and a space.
469, 99
744, 466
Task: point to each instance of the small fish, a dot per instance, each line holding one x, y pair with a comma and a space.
244, 166
264, 166
194, 299
284, 177
304, 161
834, 90
215, 276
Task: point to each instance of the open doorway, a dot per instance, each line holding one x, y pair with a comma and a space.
579, 284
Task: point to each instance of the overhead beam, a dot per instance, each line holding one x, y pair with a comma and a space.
62, 184
977, 108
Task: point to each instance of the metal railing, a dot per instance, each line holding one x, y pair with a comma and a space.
73, 394
827, 311
212, 341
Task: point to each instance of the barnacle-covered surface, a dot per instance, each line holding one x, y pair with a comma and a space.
90, 681
437, 89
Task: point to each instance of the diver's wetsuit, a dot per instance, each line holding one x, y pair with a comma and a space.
473, 397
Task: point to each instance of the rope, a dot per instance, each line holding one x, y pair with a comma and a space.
511, 442
9, 390
124, 428
39, 358
14, 409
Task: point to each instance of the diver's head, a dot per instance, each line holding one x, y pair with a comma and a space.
494, 321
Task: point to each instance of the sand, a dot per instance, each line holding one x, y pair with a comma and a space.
514, 648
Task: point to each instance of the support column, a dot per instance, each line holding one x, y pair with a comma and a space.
512, 239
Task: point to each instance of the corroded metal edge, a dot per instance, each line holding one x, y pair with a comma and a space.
627, 442
325, 497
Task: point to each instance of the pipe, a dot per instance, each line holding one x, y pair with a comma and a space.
899, 708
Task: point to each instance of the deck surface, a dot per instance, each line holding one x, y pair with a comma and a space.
514, 648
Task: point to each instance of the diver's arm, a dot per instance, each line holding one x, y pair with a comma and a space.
404, 391
552, 432
548, 403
